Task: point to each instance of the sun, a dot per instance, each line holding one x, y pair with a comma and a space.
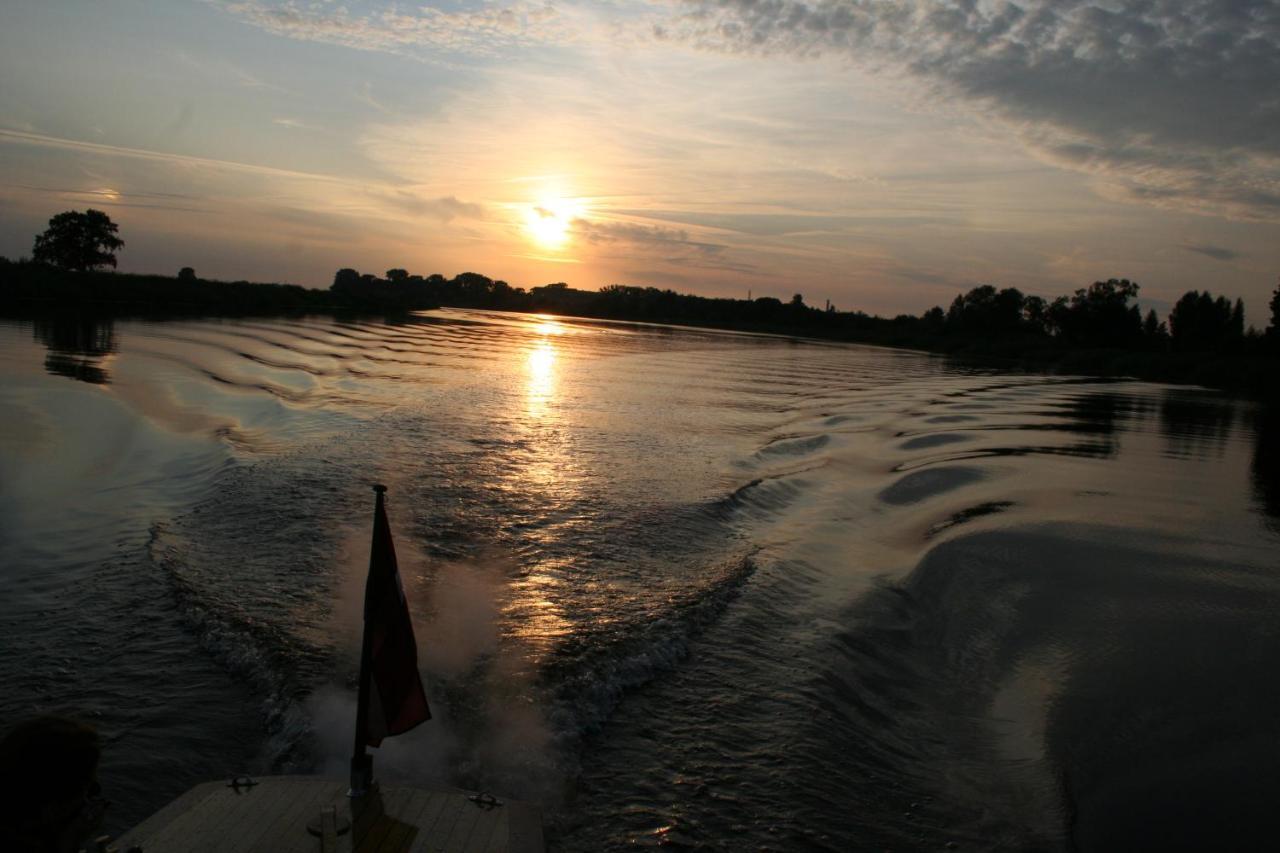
549, 222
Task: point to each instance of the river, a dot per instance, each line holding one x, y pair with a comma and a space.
683, 588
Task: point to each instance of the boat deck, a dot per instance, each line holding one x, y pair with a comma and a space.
273, 815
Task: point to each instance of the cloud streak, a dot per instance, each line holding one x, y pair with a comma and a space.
671, 241
1166, 102
1218, 253
488, 31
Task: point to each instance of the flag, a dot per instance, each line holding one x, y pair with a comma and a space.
392, 700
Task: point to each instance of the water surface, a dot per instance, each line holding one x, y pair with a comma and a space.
684, 588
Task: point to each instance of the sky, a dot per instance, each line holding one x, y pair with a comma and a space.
881, 155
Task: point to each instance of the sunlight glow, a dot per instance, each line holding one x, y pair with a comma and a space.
550, 222
542, 365
548, 325
542, 361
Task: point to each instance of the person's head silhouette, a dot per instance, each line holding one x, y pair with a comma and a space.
49, 795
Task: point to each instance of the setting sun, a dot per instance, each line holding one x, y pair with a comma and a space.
549, 222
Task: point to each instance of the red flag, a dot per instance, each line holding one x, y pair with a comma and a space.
394, 700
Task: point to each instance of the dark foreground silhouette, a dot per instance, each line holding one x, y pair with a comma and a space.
1098, 330
50, 801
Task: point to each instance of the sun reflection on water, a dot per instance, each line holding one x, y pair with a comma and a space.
545, 469
548, 325
543, 379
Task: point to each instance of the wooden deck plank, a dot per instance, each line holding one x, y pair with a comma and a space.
410, 828
457, 839
259, 819
157, 822
501, 833
444, 819
525, 833
430, 814
384, 823
155, 831
440, 830
368, 826
202, 830
482, 842
272, 817
287, 829
412, 819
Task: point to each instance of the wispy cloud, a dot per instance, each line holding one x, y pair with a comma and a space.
1218, 253
490, 30
444, 208
634, 234
629, 242
293, 123
226, 179
46, 141
1167, 102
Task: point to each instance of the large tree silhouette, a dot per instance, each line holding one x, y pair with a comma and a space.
1198, 322
78, 241
1099, 316
1273, 331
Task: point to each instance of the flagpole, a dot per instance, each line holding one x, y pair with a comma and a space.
361, 761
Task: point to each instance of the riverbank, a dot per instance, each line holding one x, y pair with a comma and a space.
28, 289
1248, 367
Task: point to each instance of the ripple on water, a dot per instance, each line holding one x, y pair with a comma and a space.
678, 610
922, 485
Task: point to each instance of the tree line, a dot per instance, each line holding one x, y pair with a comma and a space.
1104, 315
1096, 330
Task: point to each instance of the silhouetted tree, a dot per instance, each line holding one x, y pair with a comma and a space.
984, 310
1153, 329
1099, 316
797, 300
1273, 331
767, 308
934, 319
78, 241
186, 275
345, 280
1199, 322
397, 275
1035, 312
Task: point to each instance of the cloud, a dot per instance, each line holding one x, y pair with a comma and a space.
240, 203
786, 224
1167, 102
642, 235
293, 124
632, 240
97, 148
491, 30
1218, 253
445, 208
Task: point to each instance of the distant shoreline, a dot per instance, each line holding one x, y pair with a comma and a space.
32, 290
27, 287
